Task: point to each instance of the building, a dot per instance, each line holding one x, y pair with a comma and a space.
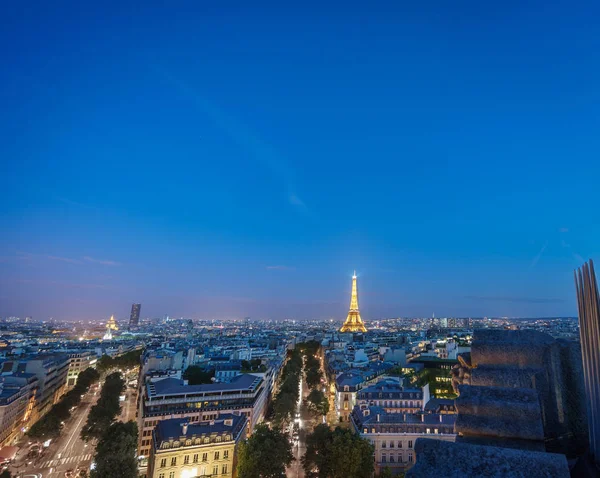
394, 434
353, 321
51, 371
78, 362
392, 397
205, 449
134, 318
17, 405
246, 395
111, 324
588, 302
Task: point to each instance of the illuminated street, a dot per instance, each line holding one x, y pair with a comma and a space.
67, 452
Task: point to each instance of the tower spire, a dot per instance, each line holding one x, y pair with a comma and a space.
353, 322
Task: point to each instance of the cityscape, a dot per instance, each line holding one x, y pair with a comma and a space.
271, 240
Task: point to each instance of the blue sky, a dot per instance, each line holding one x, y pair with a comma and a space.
217, 159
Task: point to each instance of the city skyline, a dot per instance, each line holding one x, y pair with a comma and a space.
211, 164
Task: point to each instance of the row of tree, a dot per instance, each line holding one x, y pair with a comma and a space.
50, 425
126, 360
287, 397
318, 402
116, 452
103, 414
337, 453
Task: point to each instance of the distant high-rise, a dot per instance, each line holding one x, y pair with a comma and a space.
134, 318
353, 322
588, 302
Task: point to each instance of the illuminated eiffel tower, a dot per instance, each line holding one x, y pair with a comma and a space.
353, 322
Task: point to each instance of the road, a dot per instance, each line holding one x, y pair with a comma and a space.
69, 451
66, 452
305, 425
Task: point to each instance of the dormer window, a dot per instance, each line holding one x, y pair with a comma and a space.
346, 388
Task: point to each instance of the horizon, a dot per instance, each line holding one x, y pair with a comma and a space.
244, 160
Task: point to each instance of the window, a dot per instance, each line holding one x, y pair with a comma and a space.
224, 469
195, 459
383, 458
409, 443
399, 444
163, 462
217, 455
215, 470
383, 444
186, 460
174, 461
226, 454
204, 456
410, 458
161, 475
429, 430
172, 474
391, 444
392, 459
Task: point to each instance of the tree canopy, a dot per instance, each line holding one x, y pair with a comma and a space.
196, 375
337, 454
266, 454
116, 452
318, 402
128, 359
106, 409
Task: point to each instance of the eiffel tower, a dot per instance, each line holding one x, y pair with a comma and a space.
353, 322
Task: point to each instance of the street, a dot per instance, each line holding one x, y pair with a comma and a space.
69, 451
66, 452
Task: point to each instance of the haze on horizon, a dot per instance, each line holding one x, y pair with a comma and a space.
212, 161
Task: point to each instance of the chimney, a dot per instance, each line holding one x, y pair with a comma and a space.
184, 427
440, 418
378, 417
423, 418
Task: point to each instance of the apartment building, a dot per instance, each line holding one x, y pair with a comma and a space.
181, 449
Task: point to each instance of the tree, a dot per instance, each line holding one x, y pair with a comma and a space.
385, 473
266, 454
106, 409
317, 402
337, 454
283, 407
313, 377
5, 474
116, 452
196, 375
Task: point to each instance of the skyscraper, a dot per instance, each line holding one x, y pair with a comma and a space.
353, 322
134, 318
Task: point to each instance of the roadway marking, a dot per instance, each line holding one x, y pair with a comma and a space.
67, 461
